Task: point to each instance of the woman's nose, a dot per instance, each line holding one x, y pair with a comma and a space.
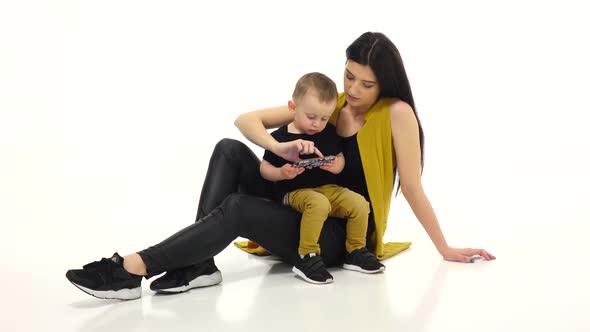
354, 89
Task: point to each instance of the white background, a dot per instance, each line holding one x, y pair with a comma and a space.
109, 111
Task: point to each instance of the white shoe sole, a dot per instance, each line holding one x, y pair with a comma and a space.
122, 294
359, 269
302, 275
200, 281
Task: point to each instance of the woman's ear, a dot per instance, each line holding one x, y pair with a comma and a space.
291, 105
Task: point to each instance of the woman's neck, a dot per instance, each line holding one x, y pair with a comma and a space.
349, 122
356, 111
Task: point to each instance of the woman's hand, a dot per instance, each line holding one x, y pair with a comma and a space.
291, 150
465, 255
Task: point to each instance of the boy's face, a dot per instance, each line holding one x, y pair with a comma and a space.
311, 115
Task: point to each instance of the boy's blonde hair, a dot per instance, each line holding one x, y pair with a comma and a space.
322, 84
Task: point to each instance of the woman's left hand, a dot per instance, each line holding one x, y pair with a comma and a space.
465, 255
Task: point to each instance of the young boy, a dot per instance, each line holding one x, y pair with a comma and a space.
313, 191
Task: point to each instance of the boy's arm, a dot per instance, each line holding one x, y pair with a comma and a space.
340, 162
335, 166
273, 173
270, 172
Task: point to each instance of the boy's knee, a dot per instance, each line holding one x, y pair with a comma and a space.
358, 204
318, 204
364, 207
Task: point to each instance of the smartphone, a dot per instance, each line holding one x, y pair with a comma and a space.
313, 162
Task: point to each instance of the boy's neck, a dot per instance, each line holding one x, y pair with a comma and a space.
291, 128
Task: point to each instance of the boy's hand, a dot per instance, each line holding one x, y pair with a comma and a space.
334, 166
289, 172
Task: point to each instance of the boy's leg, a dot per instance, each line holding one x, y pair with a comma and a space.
354, 207
314, 208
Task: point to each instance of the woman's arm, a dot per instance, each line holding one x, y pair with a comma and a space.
406, 142
253, 126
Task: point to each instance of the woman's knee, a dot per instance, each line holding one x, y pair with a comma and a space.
232, 201
229, 147
239, 207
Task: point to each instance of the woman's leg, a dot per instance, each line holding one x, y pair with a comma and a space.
273, 226
233, 167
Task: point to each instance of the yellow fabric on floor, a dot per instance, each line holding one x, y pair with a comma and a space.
251, 248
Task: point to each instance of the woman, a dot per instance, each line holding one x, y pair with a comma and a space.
376, 118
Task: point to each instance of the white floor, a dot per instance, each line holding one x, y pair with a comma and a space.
536, 284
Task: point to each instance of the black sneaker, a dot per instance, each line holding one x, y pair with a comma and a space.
362, 260
107, 279
312, 269
183, 279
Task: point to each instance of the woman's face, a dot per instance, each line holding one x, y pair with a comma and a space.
360, 85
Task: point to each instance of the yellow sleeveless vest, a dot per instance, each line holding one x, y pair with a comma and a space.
378, 159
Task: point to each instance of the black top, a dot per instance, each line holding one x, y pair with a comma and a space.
353, 176
327, 141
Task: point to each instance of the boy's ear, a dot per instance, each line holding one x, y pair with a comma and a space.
291, 105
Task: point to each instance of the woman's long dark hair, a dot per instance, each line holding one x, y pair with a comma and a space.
377, 51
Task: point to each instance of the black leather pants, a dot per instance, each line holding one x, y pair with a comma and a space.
235, 202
